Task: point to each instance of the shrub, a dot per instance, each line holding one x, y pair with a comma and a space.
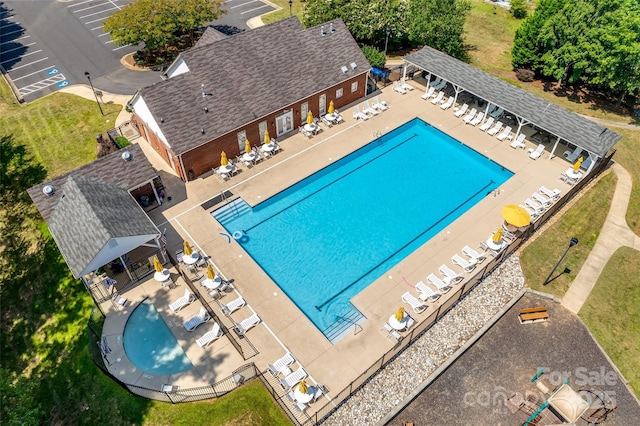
525, 74
122, 141
375, 57
519, 8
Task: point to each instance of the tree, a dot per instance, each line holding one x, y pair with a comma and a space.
375, 57
19, 405
160, 23
519, 8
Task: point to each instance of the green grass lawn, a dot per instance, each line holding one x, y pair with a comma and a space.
297, 8
612, 313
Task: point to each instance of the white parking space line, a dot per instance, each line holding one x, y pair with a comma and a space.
13, 32
121, 47
78, 4
240, 5
26, 90
19, 47
255, 8
104, 34
111, 1
97, 13
107, 42
22, 56
90, 7
14, 40
96, 28
95, 20
44, 69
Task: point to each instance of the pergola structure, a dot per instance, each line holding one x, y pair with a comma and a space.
527, 108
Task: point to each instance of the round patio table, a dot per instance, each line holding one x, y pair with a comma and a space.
303, 397
212, 284
161, 276
399, 325
190, 260
311, 127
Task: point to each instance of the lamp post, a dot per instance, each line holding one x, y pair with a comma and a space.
572, 243
386, 43
290, 6
93, 90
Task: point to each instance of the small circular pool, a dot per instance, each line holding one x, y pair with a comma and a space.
150, 345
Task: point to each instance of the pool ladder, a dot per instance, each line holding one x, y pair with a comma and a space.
377, 134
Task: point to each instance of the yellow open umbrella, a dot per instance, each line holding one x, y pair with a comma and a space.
578, 163
400, 313
157, 265
331, 108
247, 146
516, 215
210, 273
497, 236
187, 249
267, 138
223, 159
310, 118
303, 387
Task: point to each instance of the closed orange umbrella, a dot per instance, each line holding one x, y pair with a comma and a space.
331, 108
210, 273
577, 165
267, 138
497, 236
400, 313
223, 159
157, 265
516, 215
187, 249
310, 118
247, 146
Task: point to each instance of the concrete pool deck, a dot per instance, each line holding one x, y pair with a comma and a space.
284, 327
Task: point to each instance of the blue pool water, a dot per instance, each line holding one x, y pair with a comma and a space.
150, 345
329, 236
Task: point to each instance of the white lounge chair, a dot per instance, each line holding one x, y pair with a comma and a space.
463, 263
467, 118
211, 335
182, 301
429, 93
546, 202
359, 115
438, 283
380, 106
366, 108
537, 153
450, 276
573, 156
193, 322
426, 293
416, 305
448, 103
293, 379
487, 124
438, 99
495, 129
233, 306
398, 88
405, 85
281, 365
247, 324
553, 194
531, 211
474, 255
519, 142
477, 120
539, 208
505, 133
460, 111
496, 112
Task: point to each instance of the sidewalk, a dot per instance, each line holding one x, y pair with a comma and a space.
615, 233
84, 91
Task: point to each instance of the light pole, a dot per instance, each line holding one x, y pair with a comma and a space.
93, 90
572, 243
386, 43
290, 6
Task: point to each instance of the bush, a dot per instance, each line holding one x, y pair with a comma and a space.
525, 74
519, 9
375, 57
122, 142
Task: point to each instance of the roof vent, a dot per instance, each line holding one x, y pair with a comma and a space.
322, 33
161, 120
204, 94
206, 109
48, 190
331, 30
202, 130
344, 69
354, 65
126, 156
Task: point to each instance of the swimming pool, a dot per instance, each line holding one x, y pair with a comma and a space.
150, 345
329, 236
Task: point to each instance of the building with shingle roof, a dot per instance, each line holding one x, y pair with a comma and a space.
230, 89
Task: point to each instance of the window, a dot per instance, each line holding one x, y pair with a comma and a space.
354, 86
339, 93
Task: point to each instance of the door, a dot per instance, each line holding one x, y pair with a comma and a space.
242, 137
262, 127
323, 104
304, 110
284, 123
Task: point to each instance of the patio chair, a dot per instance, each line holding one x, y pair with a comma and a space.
359, 115
293, 379
391, 332
366, 108
417, 306
210, 336
495, 129
505, 133
380, 106
182, 301
461, 262
435, 83
497, 112
553, 194
442, 85
539, 208
405, 85
573, 156
318, 391
326, 121
398, 88
519, 142
438, 283
474, 255
449, 103
487, 124
233, 306
428, 93
438, 99
450, 276
281, 365
537, 153
459, 112
477, 120
247, 324
546, 202
193, 322
426, 293
308, 134
118, 300
179, 255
